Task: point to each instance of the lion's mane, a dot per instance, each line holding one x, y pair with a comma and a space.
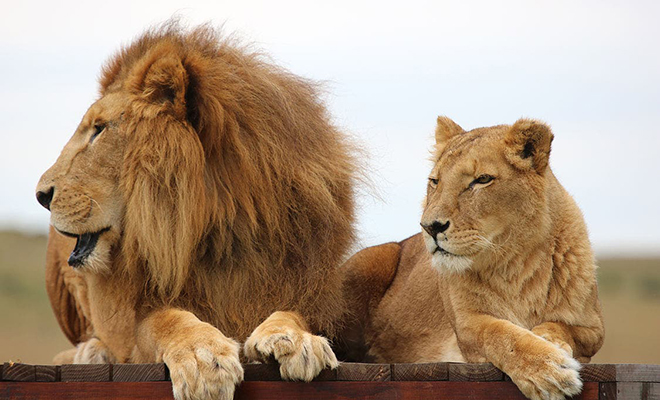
237, 186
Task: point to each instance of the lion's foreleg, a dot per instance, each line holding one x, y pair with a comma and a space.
540, 368
203, 362
286, 337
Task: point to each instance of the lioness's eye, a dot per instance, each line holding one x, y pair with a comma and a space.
98, 128
433, 182
483, 179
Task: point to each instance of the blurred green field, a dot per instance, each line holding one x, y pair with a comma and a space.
629, 290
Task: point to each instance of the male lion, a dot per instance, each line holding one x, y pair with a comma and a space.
502, 272
206, 190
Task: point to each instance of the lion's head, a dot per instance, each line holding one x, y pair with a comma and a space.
486, 192
199, 152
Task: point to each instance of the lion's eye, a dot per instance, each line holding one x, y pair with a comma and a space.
482, 180
433, 182
98, 128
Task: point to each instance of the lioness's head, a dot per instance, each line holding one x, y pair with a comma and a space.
486, 192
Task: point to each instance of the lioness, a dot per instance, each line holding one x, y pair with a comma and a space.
502, 271
205, 199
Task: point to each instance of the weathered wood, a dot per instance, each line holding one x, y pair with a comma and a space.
86, 390
630, 391
608, 391
654, 391
598, 373
46, 373
482, 372
363, 372
279, 390
17, 372
420, 372
271, 372
637, 373
85, 373
139, 372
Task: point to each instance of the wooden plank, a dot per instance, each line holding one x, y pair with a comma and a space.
598, 373
363, 372
86, 390
420, 372
481, 372
271, 372
629, 391
637, 373
17, 372
46, 373
139, 372
654, 391
278, 390
261, 372
85, 373
607, 391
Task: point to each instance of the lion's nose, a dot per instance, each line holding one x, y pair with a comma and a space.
436, 227
44, 198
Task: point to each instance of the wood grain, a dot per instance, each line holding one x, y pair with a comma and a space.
86, 390
420, 372
46, 373
363, 372
481, 372
281, 390
607, 391
598, 373
85, 373
17, 372
637, 373
139, 372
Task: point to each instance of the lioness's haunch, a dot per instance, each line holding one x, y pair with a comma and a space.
205, 193
502, 271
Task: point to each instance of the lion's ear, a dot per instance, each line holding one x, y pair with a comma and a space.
445, 130
162, 79
528, 144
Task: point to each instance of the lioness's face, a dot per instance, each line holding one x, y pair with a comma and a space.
477, 200
81, 189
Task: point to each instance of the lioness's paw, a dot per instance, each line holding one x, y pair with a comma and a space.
553, 376
93, 351
206, 369
301, 355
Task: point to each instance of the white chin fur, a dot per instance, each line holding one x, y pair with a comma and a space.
445, 262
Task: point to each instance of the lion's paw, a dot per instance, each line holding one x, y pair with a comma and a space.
209, 369
93, 351
554, 377
301, 355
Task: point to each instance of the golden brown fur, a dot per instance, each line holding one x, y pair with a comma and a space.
223, 193
515, 283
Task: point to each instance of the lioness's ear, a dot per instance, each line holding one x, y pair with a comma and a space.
528, 144
161, 79
445, 130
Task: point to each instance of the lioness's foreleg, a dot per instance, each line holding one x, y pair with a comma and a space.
540, 368
580, 342
286, 337
203, 362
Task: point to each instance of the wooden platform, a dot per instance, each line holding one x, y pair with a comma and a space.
349, 381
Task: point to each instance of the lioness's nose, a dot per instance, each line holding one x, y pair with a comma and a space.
44, 198
436, 227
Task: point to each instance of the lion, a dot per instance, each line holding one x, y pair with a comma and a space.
205, 199
502, 271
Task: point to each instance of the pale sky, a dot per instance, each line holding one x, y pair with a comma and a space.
588, 68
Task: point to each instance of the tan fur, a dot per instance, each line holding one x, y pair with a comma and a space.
227, 195
519, 289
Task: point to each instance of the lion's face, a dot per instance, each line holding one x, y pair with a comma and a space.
81, 189
485, 191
